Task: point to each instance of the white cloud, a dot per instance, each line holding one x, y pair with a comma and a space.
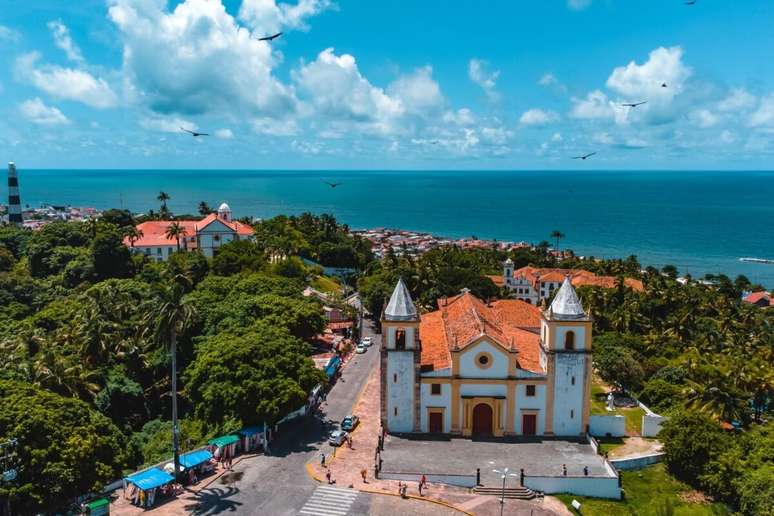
578, 5
737, 100
8, 34
496, 135
168, 124
337, 89
306, 147
462, 116
596, 105
620, 142
37, 112
703, 118
275, 127
549, 80
196, 59
727, 136
764, 115
477, 71
537, 116
224, 134
556, 137
418, 92
66, 83
644, 82
63, 40
266, 17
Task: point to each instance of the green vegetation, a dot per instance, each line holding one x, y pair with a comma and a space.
87, 331
650, 491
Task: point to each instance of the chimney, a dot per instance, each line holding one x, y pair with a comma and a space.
14, 202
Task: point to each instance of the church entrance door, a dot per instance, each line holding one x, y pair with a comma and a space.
436, 423
482, 420
528, 424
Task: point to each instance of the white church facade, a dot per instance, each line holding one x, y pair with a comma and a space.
480, 369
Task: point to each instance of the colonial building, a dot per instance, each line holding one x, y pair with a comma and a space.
205, 235
473, 368
532, 285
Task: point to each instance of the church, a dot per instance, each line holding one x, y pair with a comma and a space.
486, 369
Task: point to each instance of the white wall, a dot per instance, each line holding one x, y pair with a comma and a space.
600, 426
483, 389
597, 487
651, 424
568, 398
639, 462
469, 368
436, 400
536, 402
400, 394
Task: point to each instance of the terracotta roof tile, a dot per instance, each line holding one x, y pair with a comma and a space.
578, 277
154, 231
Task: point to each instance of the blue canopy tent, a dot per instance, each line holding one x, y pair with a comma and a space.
253, 436
194, 458
149, 479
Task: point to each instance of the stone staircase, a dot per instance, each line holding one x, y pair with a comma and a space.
517, 493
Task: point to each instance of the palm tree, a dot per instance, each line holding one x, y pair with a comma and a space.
175, 230
133, 234
204, 208
163, 197
557, 235
174, 317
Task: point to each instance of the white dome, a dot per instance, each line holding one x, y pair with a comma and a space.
224, 207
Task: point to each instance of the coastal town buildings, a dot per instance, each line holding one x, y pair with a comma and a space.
762, 299
496, 369
205, 236
532, 284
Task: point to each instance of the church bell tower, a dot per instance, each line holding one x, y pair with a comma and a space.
400, 363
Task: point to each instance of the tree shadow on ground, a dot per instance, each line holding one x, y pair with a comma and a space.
214, 501
302, 435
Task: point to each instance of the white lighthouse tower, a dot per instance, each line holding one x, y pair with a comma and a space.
400, 363
14, 201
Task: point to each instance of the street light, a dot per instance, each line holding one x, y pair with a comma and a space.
504, 475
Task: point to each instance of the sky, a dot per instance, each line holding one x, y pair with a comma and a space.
353, 84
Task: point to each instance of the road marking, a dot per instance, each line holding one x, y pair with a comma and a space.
329, 501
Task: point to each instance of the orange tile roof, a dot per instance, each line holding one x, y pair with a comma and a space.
154, 231
579, 278
497, 280
755, 297
462, 319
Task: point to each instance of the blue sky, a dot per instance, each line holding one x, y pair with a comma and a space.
390, 84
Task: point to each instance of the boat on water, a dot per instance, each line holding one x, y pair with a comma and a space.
757, 260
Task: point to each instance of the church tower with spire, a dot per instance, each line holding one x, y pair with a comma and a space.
400, 363
565, 338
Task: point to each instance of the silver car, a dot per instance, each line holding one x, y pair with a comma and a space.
337, 437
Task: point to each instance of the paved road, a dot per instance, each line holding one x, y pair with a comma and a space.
277, 484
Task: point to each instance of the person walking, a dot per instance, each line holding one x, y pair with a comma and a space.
564, 470
363, 474
322, 459
328, 477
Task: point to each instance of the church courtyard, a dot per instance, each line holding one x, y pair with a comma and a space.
460, 456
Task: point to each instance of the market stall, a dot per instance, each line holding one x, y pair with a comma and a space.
196, 464
146, 487
224, 447
253, 437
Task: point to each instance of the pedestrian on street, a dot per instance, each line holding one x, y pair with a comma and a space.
564, 470
349, 442
363, 474
419, 485
322, 459
586, 470
328, 477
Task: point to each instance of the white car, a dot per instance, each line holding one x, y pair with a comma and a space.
366, 341
360, 349
337, 437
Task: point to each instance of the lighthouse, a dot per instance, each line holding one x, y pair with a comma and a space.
14, 202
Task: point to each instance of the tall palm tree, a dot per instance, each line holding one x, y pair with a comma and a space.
557, 235
175, 230
173, 317
163, 197
133, 234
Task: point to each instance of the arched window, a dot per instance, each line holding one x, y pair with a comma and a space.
569, 340
400, 339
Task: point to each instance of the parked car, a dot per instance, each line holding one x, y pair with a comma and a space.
366, 341
360, 349
350, 422
337, 437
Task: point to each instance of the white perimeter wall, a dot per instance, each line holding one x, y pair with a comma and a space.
436, 400
601, 426
400, 394
605, 487
651, 424
469, 369
568, 397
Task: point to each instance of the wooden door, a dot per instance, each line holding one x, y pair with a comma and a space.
528, 424
436, 423
482, 420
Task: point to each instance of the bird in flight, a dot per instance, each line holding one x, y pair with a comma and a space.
584, 156
193, 133
332, 185
663, 85
634, 104
270, 38
690, 2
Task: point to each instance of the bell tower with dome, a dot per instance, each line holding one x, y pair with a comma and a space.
224, 212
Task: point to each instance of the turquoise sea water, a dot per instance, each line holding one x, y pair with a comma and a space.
700, 221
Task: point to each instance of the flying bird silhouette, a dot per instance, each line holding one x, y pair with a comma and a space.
332, 185
634, 104
194, 133
270, 38
690, 2
584, 156
663, 85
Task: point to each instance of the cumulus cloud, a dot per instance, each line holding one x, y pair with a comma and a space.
537, 116
267, 16
462, 116
37, 112
224, 134
66, 83
8, 34
64, 41
550, 80
644, 82
196, 59
764, 114
167, 124
417, 92
477, 71
737, 100
703, 118
336, 88
619, 142
595, 105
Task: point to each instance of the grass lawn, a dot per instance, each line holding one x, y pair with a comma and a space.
599, 408
326, 284
607, 444
647, 492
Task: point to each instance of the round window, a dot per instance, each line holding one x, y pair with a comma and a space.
483, 360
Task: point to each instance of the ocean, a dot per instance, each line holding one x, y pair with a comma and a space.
702, 222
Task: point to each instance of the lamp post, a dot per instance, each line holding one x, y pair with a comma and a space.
504, 474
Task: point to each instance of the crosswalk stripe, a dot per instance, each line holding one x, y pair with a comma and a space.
334, 496
330, 503
322, 512
348, 492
